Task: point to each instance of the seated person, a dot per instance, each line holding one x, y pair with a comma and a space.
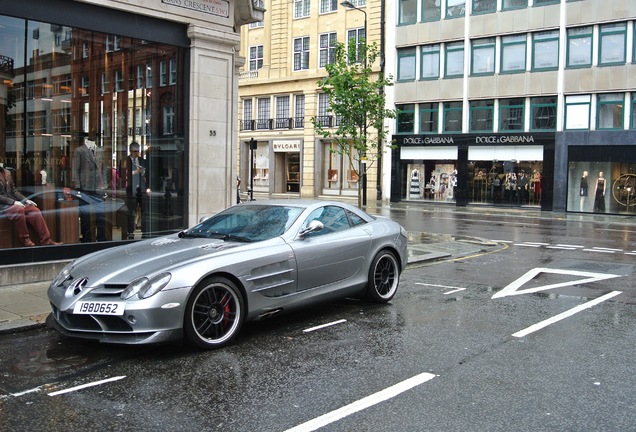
21, 211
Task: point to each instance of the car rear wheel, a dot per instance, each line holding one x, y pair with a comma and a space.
214, 313
384, 277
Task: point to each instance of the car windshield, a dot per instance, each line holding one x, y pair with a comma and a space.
248, 223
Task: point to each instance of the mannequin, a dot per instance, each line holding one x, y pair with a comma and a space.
88, 175
599, 197
583, 190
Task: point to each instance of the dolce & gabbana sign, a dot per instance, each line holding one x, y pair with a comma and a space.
504, 139
428, 140
474, 139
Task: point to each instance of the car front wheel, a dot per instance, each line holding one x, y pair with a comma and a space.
214, 313
384, 277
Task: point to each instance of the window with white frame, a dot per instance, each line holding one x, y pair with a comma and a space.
84, 49
105, 82
109, 43
407, 12
173, 72
282, 113
513, 53
454, 59
323, 118
545, 50
579, 49
256, 57
140, 76
299, 111
429, 61
301, 8
301, 53
148, 75
327, 48
163, 73
263, 114
84, 86
328, 6
612, 47
119, 81
609, 111
356, 36
577, 112
483, 56
247, 109
406, 64
168, 120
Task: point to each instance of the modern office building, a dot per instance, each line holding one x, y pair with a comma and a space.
163, 74
286, 55
515, 103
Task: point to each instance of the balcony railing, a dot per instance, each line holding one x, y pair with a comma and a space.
271, 124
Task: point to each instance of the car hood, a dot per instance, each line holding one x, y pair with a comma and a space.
123, 264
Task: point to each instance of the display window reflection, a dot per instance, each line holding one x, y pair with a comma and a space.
431, 180
76, 104
511, 182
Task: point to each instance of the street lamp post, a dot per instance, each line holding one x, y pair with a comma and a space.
363, 157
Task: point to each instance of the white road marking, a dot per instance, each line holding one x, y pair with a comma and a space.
513, 288
572, 246
22, 393
599, 250
439, 286
559, 317
608, 249
537, 243
83, 386
454, 291
561, 247
502, 241
630, 253
361, 404
324, 325
527, 244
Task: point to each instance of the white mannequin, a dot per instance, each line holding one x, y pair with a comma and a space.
44, 176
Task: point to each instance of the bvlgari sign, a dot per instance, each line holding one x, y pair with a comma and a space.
213, 7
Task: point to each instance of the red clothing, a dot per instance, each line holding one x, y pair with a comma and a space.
19, 215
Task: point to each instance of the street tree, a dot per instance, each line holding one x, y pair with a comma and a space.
357, 102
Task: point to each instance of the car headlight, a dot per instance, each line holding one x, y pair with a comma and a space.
63, 275
144, 287
403, 232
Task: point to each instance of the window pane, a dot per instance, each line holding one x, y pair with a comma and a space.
610, 111
406, 118
483, 56
430, 61
452, 117
511, 115
408, 11
514, 4
428, 118
613, 48
545, 50
543, 113
580, 46
455, 8
577, 112
513, 53
455, 59
431, 10
481, 116
406, 64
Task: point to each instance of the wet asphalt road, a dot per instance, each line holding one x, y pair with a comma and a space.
486, 374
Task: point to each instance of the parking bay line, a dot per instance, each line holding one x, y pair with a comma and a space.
324, 325
559, 317
92, 384
362, 404
454, 288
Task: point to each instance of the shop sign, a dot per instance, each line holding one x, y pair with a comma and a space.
213, 7
286, 146
504, 139
428, 140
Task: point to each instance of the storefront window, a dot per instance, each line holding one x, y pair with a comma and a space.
261, 167
340, 172
434, 180
77, 103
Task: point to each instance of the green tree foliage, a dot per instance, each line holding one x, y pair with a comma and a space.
358, 104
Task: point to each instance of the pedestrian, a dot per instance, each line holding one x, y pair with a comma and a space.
22, 212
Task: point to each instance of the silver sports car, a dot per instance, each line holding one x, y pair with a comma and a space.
249, 262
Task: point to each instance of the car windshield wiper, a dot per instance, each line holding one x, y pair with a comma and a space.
225, 236
192, 234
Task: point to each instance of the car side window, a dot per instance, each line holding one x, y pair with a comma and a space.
333, 218
355, 219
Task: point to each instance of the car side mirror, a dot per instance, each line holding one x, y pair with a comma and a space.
313, 226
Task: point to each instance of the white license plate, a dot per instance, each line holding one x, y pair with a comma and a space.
99, 308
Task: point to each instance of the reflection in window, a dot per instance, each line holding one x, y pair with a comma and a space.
511, 114
431, 10
609, 109
453, 116
514, 4
430, 61
429, 116
513, 53
406, 118
483, 56
543, 113
455, 8
406, 64
481, 115
408, 12
454, 59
